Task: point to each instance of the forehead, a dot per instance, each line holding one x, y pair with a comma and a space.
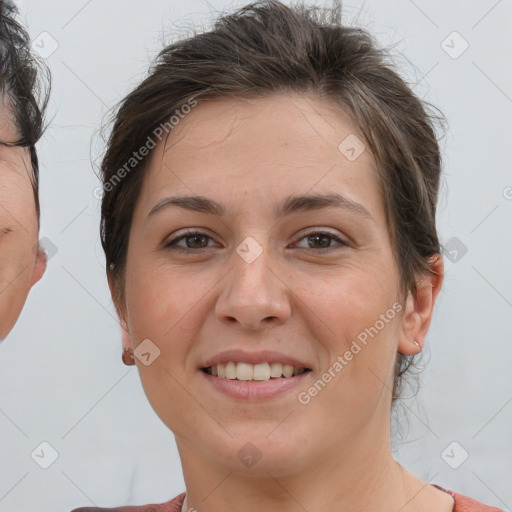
274, 120
262, 147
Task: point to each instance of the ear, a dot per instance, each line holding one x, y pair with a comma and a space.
418, 311
120, 310
125, 337
39, 267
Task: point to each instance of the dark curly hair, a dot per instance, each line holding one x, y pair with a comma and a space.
25, 83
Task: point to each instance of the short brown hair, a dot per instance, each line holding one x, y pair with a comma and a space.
264, 48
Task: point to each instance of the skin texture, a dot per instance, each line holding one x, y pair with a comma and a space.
297, 298
22, 263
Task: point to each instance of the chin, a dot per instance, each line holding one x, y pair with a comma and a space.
258, 451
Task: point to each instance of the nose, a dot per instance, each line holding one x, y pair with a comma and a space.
253, 294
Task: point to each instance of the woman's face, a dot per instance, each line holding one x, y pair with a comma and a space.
305, 281
21, 262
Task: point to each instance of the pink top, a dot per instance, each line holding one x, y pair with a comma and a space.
462, 504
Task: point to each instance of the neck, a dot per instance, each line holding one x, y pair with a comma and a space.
362, 476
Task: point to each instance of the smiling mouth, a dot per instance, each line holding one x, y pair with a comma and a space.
255, 372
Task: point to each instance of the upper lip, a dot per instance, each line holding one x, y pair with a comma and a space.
262, 356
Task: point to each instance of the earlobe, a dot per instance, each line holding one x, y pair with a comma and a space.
419, 309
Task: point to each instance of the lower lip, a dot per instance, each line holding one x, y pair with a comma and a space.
254, 389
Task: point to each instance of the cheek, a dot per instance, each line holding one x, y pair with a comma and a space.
18, 250
16, 266
346, 302
154, 308
18, 225
18, 238
357, 322
166, 306
157, 297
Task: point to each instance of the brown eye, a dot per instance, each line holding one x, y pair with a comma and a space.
194, 241
322, 241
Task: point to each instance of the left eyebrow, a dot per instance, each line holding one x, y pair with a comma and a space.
292, 204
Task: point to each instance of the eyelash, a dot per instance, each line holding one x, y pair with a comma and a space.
171, 244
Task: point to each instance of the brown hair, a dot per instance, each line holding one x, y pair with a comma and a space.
264, 48
25, 82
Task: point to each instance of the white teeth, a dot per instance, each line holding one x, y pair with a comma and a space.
244, 371
287, 370
260, 371
276, 370
230, 370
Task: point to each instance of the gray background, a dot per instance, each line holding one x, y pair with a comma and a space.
61, 376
